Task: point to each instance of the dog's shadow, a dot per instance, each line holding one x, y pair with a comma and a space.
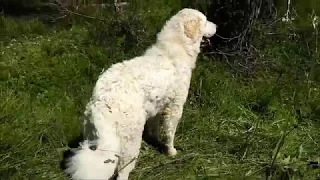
74, 143
151, 133
154, 142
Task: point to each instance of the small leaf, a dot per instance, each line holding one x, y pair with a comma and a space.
249, 173
109, 161
286, 160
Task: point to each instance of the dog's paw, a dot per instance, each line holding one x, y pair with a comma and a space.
172, 151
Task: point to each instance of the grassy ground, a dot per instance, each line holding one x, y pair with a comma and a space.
233, 127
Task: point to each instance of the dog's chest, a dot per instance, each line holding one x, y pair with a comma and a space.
156, 100
154, 106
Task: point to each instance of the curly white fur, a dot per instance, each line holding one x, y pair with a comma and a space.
131, 92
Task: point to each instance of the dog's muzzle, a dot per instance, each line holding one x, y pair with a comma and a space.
210, 29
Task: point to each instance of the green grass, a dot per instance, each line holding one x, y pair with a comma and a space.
231, 128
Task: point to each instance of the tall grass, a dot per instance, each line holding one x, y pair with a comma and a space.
234, 126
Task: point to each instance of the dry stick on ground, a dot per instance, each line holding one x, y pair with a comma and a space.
273, 161
277, 150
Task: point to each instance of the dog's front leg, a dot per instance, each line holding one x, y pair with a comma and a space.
172, 117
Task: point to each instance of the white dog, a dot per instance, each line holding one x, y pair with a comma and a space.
131, 92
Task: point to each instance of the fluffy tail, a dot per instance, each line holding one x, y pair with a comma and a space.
94, 161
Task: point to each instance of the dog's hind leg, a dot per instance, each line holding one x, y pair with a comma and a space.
131, 138
128, 157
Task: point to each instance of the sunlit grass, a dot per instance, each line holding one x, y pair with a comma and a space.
230, 127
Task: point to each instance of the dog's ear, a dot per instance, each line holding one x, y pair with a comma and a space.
192, 28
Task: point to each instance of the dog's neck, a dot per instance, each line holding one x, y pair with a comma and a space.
180, 53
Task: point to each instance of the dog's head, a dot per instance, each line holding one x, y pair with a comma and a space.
195, 25
187, 28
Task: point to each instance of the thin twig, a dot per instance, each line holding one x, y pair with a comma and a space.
65, 9
278, 147
83, 15
122, 168
221, 53
77, 149
61, 17
229, 39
